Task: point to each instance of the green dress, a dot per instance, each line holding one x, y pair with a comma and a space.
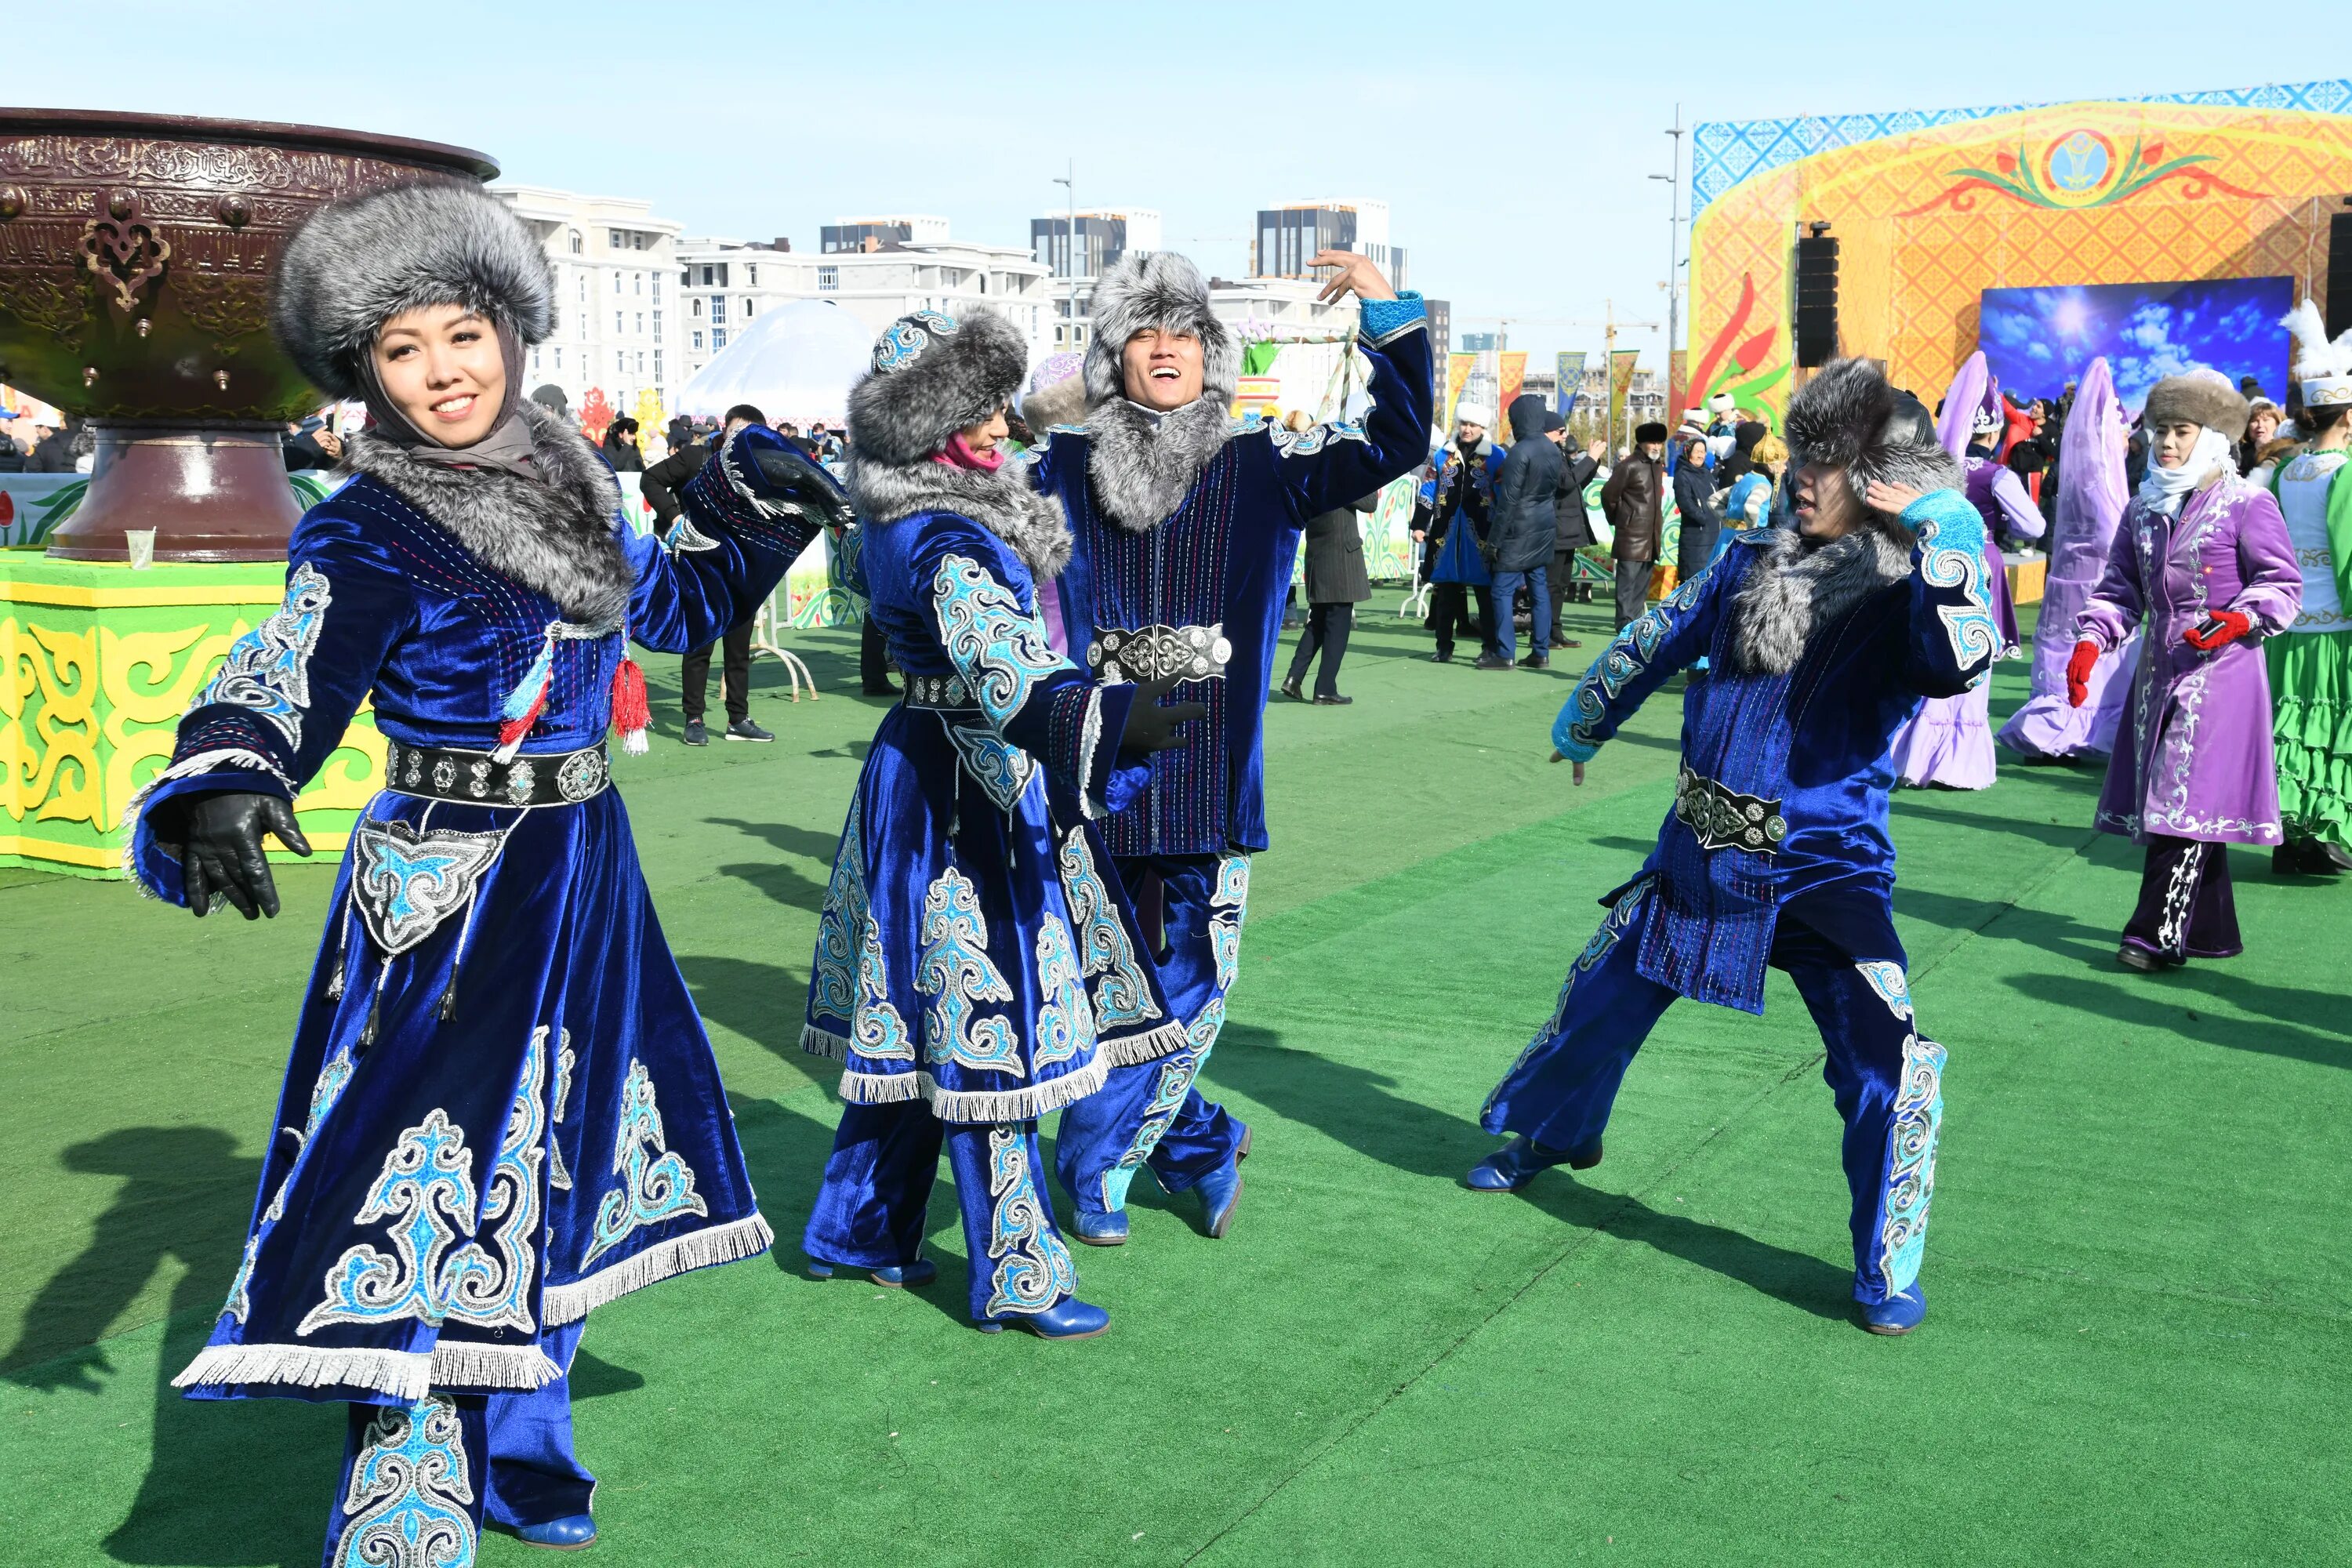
2311, 662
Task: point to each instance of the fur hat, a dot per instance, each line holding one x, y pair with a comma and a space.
2202, 396
1723, 405
1057, 392
1644, 434
1469, 411
362, 260
2324, 368
1158, 288
933, 374
1850, 417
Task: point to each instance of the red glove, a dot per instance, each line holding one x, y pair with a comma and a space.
2218, 628
2078, 672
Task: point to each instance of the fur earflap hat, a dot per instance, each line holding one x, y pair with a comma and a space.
933, 374
1850, 417
2202, 396
1157, 288
362, 260
1470, 411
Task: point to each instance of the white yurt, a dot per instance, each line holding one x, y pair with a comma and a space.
796, 362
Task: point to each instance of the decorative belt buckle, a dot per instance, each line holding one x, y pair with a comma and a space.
582, 776
1153, 653
1725, 819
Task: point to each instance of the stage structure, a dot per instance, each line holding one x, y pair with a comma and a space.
1932, 208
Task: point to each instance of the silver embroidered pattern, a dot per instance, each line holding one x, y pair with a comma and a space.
268, 671
408, 882
957, 974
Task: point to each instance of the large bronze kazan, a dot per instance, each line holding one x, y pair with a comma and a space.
135, 252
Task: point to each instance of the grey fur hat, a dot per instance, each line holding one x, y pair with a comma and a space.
933, 374
2201, 397
1850, 417
1157, 288
362, 260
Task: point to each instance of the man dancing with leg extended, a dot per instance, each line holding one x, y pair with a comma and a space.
1187, 523
1822, 642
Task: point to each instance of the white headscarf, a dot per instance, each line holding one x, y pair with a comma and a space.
2164, 488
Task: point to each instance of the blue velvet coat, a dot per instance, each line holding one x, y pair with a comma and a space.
1224, 558
535, 1130
1814, 739
976, 950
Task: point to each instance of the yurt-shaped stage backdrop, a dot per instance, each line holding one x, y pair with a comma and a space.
2077, 213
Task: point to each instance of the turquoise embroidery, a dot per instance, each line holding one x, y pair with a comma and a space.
427, 1190
495, 1293
1969, 627
1030, 1268
997, 647
1577, 738
1911, 1162
1620, 918
324, 1093
268, 671
1001, 769
878, 1030
1226, 909
1121, 994
1168, 1092
407, 1502
557, 1176
833, 988
957, 974
1887, 978
408, 882
239, 1303
655, 1183
1066, 1020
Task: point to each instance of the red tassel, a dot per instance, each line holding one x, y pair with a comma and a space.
632, 714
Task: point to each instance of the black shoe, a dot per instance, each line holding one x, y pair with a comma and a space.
2331, 861
696, 735
1290, 689
744, 730
1488, 662
1335, 701
2140, 958
1443, 657
1536, 661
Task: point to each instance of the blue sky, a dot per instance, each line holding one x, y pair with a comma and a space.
1512, 142
2036, 340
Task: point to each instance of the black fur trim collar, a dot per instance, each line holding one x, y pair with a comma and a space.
557, 535
1002, 502
1142, 466
1797, 589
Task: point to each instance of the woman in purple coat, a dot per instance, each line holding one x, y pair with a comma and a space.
2205, 558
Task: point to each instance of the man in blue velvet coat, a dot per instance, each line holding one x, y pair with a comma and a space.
1820, 643
1187, 525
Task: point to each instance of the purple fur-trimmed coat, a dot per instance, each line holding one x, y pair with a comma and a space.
2193, 758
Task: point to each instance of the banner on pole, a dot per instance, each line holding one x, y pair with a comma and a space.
1621, 385
1677, 385
1457, 376
1569, 378
1511, 378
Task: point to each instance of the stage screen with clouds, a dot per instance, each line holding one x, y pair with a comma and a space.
2037, 340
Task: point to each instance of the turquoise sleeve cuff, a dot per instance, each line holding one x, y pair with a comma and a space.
1384, 318
1950, 521
1563, 735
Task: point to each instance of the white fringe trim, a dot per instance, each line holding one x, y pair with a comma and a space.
187, 767
1130, 1050
404, 1374
975, 1105
730, 1243
824, 1043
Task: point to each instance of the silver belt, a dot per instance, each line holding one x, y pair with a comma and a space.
1153, 653
944, 693
434, 773
1726, 819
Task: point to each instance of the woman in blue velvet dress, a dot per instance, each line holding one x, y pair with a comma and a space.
501, 1109
978, 963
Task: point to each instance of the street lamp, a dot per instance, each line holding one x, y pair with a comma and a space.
1069, 184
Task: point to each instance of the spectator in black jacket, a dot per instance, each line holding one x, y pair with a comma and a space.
621, 447
1702, 519
659, 488
1575, 527
1521, 533
1336, 584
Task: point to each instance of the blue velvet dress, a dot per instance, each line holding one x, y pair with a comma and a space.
1775, 852
977, 962
501, 1110
1206, 585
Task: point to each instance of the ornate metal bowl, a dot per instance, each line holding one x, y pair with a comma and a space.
135, 252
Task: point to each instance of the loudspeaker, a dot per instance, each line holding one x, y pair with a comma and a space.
2339, 273
1817, 297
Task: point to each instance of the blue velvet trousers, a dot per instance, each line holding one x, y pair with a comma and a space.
417, 1480
877, 1186
1151, 1113
1885, 1077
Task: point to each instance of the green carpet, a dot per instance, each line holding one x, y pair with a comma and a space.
2141, 1344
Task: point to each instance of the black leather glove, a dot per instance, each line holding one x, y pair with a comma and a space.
217, 839
1151, 728
779, 474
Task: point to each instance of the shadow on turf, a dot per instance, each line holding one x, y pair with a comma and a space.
1797, 1279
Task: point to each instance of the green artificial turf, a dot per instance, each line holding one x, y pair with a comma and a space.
2138, 1351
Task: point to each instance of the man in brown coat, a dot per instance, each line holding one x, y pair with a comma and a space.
1633, 499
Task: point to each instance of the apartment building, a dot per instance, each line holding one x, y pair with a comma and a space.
616, 295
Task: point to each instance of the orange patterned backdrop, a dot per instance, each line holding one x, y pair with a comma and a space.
2077, 192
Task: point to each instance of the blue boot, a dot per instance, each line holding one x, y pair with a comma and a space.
567, 1534
1068, 1318
1221, 1194
1899, 1313
1099, 1229
915, 1275
1521, 1161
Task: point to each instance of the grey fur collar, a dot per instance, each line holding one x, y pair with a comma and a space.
1143, 467
555, 534
1033, 525
1798, 589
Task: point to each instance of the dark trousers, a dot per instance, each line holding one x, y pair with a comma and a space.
1565, 588
695, 676
1633, 591
1326, 632
873, 659
1449, 612
1885, 1077
2186, 907
418, 1479
1505, 643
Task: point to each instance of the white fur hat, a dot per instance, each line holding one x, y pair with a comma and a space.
2324, 368
1470, 412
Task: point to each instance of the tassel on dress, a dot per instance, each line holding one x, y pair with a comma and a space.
632, 713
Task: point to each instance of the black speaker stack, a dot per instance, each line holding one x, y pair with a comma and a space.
1817, 297
2339, 273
